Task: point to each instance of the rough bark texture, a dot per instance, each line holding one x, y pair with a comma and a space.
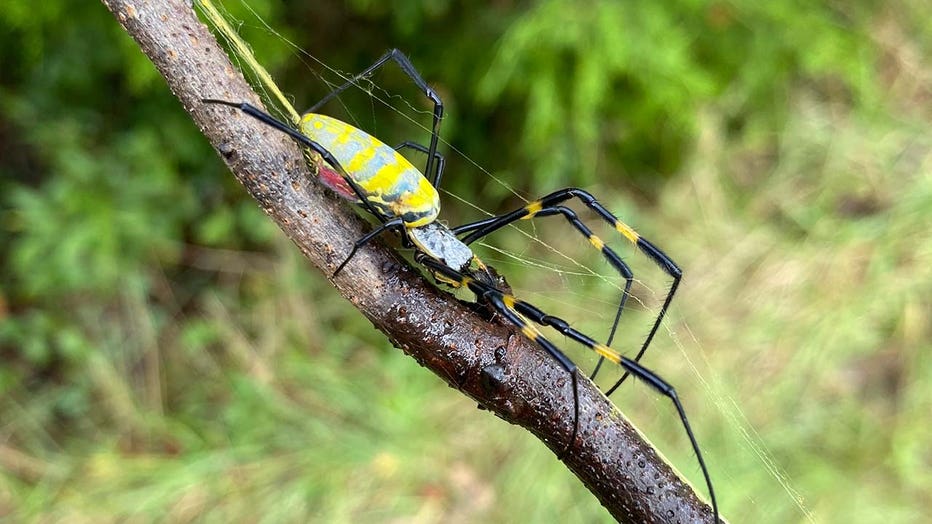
491, 363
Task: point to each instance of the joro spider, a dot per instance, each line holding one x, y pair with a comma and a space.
377, 177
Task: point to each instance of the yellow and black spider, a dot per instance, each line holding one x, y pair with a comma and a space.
363, 170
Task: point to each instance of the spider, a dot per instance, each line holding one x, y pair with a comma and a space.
363, 170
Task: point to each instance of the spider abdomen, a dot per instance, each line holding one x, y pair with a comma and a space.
387, 179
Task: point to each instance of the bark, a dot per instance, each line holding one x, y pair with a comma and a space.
491, 363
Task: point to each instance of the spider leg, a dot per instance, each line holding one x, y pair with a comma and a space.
516, 310
395, 223
595, 241
665, 389
613, 259
441, 162
505, 305
477, 230
408, 68
631, 366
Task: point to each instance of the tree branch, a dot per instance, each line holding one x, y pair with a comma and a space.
491, 363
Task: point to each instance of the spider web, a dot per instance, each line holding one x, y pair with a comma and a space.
569, 265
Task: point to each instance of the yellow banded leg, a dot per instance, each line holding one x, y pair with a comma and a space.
549, 205
518, 312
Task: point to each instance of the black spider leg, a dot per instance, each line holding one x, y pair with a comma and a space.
596, 242
486, 226
513, 309
646, 375
271, 121
441, 162
505, 305
408, 68
668, 391
396, 223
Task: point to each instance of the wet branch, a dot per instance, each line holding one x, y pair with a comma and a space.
489, 362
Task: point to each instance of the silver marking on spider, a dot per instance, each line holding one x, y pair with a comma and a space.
438, 242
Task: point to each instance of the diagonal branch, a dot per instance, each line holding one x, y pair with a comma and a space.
491, 363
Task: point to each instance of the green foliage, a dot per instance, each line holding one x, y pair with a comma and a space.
627, 80
97, 213
166, 355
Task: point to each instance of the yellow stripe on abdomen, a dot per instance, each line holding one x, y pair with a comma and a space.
360, 159
388, 177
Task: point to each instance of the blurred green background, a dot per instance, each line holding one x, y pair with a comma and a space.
780, 152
